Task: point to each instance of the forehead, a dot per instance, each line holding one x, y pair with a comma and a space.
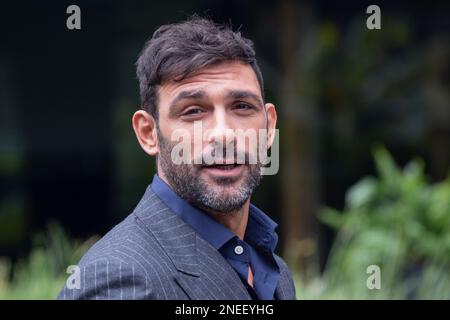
219, 78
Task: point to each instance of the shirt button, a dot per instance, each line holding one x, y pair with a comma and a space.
238, 250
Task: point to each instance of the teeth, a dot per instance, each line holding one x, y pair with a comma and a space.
224, 166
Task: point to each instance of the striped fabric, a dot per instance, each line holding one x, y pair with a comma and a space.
153, 254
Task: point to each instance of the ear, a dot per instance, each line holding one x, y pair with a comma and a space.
271, 123
144, 126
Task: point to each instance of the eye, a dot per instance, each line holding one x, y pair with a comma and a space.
243, 106
192, 111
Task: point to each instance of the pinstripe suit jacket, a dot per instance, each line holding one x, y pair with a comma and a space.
153, 254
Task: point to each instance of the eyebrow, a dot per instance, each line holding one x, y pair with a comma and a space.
187, 95
243, 94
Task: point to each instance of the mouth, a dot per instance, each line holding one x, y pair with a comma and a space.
224, 170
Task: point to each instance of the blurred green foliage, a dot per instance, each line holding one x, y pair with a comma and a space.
42, 274
398, 222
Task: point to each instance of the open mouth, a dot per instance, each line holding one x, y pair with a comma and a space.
223, 166
224, 170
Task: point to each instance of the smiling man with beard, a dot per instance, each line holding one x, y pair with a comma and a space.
194, 234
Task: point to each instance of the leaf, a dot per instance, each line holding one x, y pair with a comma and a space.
361, 193
386, 167
331, 217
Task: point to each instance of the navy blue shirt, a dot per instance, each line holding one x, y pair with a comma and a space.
256, 250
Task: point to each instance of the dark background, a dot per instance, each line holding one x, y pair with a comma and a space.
68, 151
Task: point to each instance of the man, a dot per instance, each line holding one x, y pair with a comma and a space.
194, 234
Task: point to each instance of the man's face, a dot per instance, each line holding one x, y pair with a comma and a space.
222, 98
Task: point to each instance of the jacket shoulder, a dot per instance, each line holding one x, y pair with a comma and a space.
116, 245
126, 263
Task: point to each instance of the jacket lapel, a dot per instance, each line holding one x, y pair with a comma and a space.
202, 271
279, 293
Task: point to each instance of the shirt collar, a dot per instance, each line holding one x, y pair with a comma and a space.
260, 230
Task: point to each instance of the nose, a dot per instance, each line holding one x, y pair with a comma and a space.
221, 131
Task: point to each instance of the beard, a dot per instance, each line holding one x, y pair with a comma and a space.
220, 195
